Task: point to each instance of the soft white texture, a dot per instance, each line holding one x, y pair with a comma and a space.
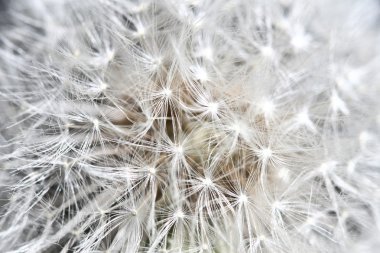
190, 126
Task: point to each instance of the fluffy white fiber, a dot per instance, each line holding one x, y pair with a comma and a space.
190, 126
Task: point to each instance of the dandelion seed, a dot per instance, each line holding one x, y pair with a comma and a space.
141, 7
242, 198
364, 138
300, 41
337, 104
212, 108
179, 214
95, 122
152, 170
109, 55
267, 108
304, 119
265, 154
200, 73
207, 53
236, 128
103, 86
311, 221
261, 238
351, 167
76, 53
141, 31
268, 52
326, 167
157, 63
283, 174
207, 182
205, 247
277, 205
167, 92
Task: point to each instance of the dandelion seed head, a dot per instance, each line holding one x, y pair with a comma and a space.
189, 126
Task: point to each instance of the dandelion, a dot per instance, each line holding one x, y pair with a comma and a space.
189, 126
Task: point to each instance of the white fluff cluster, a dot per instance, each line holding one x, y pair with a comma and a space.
190, 126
